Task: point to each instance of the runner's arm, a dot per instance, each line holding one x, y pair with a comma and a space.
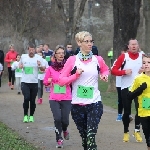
135, 90
65, 78
47, 76
115, 70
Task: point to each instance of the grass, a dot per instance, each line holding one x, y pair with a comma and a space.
110, 98
10, 140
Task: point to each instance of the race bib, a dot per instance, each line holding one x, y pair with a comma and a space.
28, 70
47, 58
18, 70
85, 92
59, 89
145, 103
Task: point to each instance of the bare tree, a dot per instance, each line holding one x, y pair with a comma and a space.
126, 22
70, 20
146, 13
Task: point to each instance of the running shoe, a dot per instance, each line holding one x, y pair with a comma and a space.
12, 87
66, 135
137, 136
119, 117
25, 119
31, 119
131, 118
126, 137
59, 143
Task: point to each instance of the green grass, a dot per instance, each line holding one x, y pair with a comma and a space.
10, 140
110, 98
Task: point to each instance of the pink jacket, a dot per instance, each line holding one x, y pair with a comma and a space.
65, 78
51, 73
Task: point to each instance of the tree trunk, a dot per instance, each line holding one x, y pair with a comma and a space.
146, 12
71, 22
126, 22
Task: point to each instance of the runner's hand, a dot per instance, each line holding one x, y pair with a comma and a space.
21, 66
141, 70
79, 71
39, 63
49, 80
104, 78
128, 71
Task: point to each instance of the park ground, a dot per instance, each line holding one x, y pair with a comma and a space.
41, 133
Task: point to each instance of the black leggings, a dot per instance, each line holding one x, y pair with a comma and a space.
127, 111
87, 118
145, 121
120, 105
61, 111
29, 91
11, 75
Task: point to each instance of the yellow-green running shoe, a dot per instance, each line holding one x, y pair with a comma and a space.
31, 119
25, 119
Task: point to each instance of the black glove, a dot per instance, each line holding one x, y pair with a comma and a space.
143, 86
137, 92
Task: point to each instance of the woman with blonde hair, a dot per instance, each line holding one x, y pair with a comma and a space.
60, 96
82, 71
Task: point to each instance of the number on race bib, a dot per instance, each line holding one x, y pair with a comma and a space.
85, 92
59, 89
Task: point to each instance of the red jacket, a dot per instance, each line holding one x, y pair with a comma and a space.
11, 55
115, 70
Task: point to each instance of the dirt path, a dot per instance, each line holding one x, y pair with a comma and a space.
41, 132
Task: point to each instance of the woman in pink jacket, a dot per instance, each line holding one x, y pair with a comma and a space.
87, 107
60, 96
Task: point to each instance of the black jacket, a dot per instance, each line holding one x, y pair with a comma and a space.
94, 50
2, 58
68, 54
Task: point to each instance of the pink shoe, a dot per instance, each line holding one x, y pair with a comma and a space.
59, 144
66, 135
41, 100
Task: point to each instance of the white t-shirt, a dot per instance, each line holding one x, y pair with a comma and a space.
118, 81
135, 65
18, 71
87, 79
1, 67
42, 75
30, 68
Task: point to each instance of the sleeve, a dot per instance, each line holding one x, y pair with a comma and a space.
47, 75
7, 58
115, 70
2, 58
46, 63
104, 69
136, 89
42, 62
13, 66
97, 52
65, 78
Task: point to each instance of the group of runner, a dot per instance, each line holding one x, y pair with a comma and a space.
74, 87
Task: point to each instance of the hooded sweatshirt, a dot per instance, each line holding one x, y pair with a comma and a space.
10, 57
